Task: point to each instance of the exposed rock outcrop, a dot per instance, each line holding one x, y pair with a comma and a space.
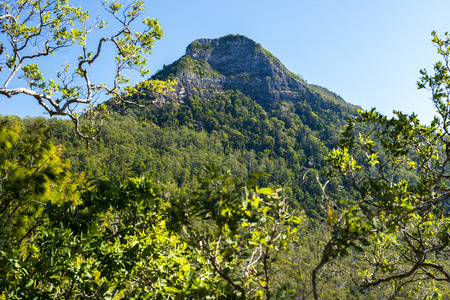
233, 62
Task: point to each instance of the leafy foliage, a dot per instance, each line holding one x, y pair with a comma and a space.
193, 230
242, 231
34, 29
29, 166
122, 240
399, 223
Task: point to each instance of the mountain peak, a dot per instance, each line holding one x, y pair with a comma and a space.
203, 48
230, 39
235, 54
211, 67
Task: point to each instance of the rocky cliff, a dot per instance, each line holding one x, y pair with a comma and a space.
235, 62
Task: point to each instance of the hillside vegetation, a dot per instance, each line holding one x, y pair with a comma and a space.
242, 182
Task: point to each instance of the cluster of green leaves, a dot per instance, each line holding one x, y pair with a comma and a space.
240, 229
112, 244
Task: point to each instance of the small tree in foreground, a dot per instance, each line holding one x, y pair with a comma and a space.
240, 230
399, 167
31, 30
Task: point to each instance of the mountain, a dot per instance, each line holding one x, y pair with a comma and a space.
234, 105
235, 62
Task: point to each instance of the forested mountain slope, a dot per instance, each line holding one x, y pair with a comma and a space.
234, 105
157, 191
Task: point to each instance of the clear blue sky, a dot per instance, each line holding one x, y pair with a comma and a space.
369, 52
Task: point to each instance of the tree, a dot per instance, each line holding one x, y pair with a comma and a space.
400, 222
31, 173
239, 230
112, 243
32, 30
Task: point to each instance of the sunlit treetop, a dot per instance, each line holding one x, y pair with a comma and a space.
31, 30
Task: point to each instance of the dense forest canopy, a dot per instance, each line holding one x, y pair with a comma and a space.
224, 176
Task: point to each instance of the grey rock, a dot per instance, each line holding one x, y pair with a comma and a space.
233, 62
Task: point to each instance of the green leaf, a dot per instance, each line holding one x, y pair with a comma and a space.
265, 191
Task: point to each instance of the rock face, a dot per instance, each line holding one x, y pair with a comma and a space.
233, 62
233, 55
